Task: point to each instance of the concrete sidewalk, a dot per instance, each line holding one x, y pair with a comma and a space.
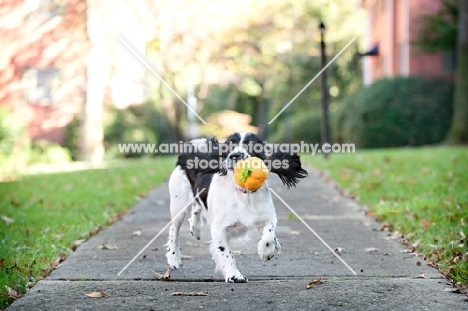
387, 276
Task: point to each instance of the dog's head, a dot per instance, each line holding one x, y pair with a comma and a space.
239, 146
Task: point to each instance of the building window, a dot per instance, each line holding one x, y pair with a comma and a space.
403, 52
40, 85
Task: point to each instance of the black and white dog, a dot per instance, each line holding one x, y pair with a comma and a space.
229, 210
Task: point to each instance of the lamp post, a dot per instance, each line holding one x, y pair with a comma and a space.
325, 129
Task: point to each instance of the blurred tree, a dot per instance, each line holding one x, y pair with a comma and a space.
250, 56
438, 31
446, 30
459, 129
92, 134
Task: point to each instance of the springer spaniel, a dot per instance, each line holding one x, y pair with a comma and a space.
229, 210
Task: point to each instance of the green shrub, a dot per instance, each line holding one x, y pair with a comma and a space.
17, 152
71, 137
44, 151
11, 133
136, 124
395, 112
300, 127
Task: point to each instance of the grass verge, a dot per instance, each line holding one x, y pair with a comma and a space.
420, 192
44, 215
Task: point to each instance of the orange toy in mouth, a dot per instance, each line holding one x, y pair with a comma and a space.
251, 173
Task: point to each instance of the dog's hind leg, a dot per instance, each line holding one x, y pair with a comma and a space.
196, 221
181, 194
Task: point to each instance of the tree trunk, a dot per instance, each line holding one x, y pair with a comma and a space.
261, 113
459, 129
92, 133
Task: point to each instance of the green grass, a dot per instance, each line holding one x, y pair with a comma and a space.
421, 192
51, 211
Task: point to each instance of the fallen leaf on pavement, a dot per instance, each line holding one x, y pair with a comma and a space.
98, 294
295, 232
189, 294
136, 233
7, 220
194, 244
313, 282
336, 199
372, 250
61, 257
339, 250
107, 245
405, 251
164, 277
186, 256
421, 276
452, 290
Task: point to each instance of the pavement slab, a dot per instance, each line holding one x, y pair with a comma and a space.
387, 276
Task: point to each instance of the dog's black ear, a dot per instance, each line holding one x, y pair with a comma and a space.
288, 167
201, 157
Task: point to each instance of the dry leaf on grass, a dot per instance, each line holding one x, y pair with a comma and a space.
13, 292
189, 294
7, 220
313, 282
107, 245
163, 277
78, 242
98, 294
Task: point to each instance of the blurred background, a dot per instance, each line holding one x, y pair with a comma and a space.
71, 90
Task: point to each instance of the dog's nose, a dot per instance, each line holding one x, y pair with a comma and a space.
235, 155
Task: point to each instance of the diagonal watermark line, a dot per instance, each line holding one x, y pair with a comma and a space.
313, 231
147, 65
310, 82
159, 233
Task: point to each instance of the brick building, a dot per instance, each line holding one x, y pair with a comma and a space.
44, 59
391, 27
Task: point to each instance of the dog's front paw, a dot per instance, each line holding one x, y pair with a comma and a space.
174, 259
266, 249
236, 279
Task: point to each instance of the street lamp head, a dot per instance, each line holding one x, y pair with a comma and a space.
322, 27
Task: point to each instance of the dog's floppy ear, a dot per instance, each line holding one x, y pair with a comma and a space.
199, 152
287, 166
